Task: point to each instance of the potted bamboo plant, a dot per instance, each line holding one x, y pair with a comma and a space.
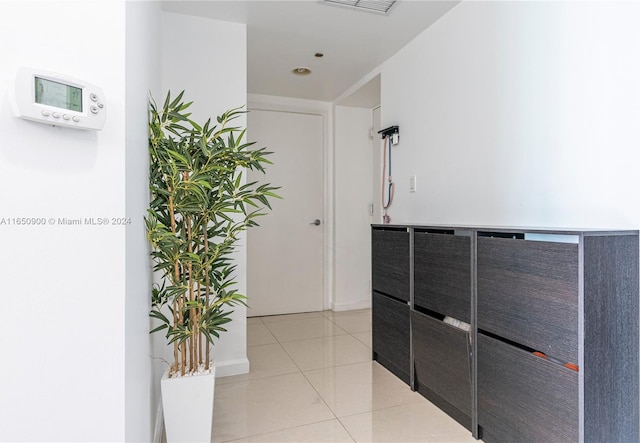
199, 207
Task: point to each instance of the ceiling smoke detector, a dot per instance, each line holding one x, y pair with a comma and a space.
379, 6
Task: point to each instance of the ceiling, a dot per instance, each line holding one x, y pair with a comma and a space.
283, 35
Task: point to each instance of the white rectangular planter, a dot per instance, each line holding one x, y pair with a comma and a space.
188, 407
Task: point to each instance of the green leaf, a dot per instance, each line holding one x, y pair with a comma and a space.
175, 102
159, 328
159, 316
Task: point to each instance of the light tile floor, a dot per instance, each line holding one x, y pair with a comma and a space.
312, 380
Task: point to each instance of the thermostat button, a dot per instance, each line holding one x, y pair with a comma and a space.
93, 97
100, 105
75, 119
55, 115
94, 110
46, 113
66, 116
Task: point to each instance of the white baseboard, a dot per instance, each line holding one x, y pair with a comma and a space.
362, 304
232, 367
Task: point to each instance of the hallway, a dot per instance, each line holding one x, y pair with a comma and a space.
312, 380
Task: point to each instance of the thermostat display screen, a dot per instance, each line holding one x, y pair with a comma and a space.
58, 94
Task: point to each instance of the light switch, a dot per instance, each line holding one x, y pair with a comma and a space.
412, 183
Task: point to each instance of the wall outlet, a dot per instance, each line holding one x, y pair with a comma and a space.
412, 183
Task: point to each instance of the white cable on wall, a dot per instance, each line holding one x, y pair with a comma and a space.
387, 179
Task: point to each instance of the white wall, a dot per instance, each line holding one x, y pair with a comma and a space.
353, 165
519, 113
76, 298
62, 334
207, 59
142, 61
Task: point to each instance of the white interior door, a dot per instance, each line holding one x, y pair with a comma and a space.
285, 253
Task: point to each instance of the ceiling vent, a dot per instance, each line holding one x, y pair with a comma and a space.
379, 6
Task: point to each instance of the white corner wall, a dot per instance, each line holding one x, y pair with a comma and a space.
519, 113
353, 168
208, 59
63, 289
142, 378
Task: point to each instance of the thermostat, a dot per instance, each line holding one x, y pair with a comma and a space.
56, 99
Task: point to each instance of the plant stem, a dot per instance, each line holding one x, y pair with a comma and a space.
200, 335
207, 279
183, 347
176, 274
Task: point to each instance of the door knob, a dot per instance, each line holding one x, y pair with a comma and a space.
316, 222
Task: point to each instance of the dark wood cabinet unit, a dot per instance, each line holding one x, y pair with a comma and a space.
443, 273
611, 339
442, 364
528, 293
391, 262
524, 398
547, 348
442, 288
390, 335
391, 280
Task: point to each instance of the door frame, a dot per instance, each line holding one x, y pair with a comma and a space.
325, 111
377, 154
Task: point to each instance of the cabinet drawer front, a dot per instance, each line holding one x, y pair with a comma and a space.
441, 359
528, 293
442, 274
390, 331
390, 262
524, 398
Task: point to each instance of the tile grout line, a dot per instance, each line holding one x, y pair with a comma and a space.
300, 371
320, 396
333, 366
338, 418
280, 430
335, 417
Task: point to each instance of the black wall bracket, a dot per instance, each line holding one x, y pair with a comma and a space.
391, 130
